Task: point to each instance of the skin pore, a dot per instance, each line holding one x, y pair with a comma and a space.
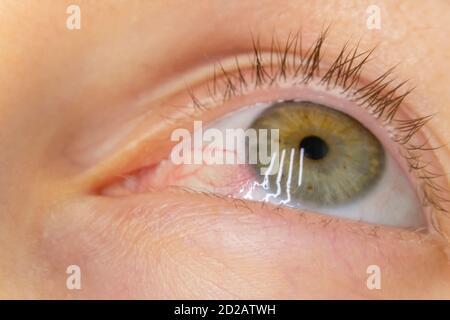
75, 106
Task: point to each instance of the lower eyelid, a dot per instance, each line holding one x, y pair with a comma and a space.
193, 210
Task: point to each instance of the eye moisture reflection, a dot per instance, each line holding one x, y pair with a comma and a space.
341, 160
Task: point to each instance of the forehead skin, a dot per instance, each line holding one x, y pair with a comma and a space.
56, 84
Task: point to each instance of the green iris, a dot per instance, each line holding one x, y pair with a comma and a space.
337, 158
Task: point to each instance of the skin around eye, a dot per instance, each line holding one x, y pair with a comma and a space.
68, 98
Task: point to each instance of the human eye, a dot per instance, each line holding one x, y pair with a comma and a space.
225, 149
302, 128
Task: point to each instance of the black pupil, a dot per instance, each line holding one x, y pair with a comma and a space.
314, 147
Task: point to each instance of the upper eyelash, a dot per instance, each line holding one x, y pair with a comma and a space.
379, 97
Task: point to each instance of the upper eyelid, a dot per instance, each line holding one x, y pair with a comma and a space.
382, 96
344, 71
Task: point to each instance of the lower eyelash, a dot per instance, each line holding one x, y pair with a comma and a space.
379, 97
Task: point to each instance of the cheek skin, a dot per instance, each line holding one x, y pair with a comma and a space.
166, 245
